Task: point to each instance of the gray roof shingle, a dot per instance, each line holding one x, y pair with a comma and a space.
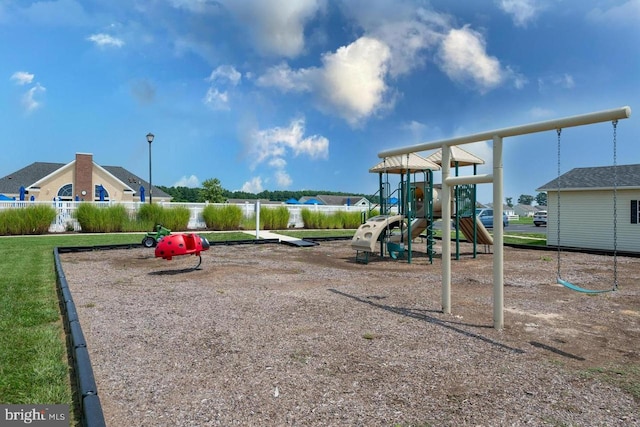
601, 177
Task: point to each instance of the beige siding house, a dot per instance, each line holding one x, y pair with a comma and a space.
587, 208
81, 179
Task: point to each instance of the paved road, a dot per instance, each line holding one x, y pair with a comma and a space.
513, 228
525, 228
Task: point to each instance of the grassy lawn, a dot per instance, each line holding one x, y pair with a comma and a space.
33, 358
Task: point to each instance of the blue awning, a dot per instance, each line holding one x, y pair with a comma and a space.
312, 202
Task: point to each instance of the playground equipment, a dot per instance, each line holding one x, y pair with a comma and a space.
496, 179
416, 206
152, 238
182, 244
412, 211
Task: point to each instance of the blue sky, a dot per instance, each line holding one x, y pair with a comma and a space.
302, 95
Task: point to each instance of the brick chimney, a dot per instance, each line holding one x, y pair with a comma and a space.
84, 176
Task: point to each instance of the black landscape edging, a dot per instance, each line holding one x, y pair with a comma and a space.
87, 390
328, 239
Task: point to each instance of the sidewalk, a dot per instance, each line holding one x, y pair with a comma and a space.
295, 241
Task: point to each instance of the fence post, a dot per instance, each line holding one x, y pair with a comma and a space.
257, 219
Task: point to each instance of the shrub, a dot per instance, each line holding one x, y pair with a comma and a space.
248, 223
175, 218
34, 219
311, 219
149, 213
274, 218
335, 220
222, 218
101, 219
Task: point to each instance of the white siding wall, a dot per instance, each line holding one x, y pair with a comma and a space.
586, 220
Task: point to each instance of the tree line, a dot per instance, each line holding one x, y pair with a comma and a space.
213, 192
526, 199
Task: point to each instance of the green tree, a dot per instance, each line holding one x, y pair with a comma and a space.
509, 201
541, 199
212, 191
525, 199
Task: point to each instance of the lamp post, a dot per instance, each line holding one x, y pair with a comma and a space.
150, 140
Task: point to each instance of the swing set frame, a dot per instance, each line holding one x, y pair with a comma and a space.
498, 192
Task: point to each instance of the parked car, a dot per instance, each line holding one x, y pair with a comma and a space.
486, 217
540, 218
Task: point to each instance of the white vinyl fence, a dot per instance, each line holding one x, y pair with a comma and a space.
65, 220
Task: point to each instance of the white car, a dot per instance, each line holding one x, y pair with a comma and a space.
540, 218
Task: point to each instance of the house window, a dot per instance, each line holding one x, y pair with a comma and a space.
66, 192
635, 214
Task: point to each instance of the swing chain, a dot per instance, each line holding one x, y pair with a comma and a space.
615, 203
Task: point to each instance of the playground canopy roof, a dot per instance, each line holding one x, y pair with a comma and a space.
464, 158
399, 164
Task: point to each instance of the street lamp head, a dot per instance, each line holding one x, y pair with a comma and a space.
150, 137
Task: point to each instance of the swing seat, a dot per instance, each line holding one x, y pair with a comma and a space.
579, 289
396, 250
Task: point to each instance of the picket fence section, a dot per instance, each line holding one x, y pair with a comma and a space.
66, 221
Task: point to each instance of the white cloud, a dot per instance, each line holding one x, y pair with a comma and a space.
274, 143
407, 40
188, 181
22, 77
563, 81
286, 79
216, 99
414, 127
278, 163
353, 78
225, 74
463, 57
105, 40
254, 186
283, 179
271, 146
408, 31
29, 99
277, 26
519, 80
350, 84
521, 11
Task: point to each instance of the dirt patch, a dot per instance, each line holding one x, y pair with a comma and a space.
279, 335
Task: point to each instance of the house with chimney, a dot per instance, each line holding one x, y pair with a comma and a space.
82, 179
